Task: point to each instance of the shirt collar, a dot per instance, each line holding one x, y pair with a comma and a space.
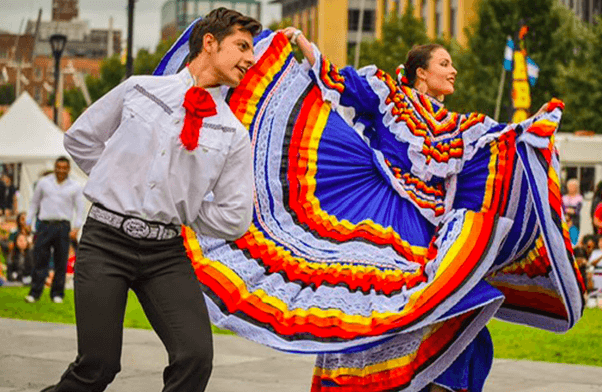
188, 80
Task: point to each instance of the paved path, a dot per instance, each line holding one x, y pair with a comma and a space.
33, 355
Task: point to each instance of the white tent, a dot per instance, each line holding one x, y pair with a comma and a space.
28, 137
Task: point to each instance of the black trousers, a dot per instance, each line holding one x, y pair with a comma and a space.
108, 264
55, 235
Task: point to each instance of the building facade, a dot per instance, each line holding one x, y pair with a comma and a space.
176, 15
82, 41
443, 18
334, 24
35, 74
587, 10
65, 10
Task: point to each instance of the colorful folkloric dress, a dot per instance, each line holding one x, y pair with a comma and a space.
385, 242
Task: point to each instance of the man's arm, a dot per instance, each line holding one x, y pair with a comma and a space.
79, 212
85, 140
34, 205
228, 215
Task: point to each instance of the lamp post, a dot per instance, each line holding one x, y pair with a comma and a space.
57, 42
129, 61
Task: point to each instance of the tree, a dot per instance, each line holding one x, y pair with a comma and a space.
548, 43
399, 34
580, 83
112, 72
7, 94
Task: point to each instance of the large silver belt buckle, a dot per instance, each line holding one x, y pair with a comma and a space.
168, 234
136, 228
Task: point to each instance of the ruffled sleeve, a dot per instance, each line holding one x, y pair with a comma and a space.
346, 86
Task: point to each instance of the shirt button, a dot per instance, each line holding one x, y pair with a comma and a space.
176, 121
152, 185
163, 153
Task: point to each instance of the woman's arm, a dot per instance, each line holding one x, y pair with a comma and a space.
346, 86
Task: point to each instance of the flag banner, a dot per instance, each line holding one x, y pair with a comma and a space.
508, 53
532, 71
521, 94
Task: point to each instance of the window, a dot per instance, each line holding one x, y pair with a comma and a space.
586, 175
439, 17
204, 8
424, 11
242, 8
37, 94
254, 11
222, 4
354, 20
38, 73
453, 15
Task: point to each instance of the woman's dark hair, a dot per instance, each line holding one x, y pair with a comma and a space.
598, 191
19, 227
220, 23
418, 57
15, 249
579, 252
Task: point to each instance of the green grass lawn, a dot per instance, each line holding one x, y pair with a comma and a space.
581, 345
14, 306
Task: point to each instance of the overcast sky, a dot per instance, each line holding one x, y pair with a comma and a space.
147, 16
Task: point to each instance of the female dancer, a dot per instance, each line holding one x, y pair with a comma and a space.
386, 241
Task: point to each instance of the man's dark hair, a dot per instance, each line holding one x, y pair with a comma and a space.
62, 159
220, 23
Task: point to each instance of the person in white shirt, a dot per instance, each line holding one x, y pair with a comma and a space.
57, 201
161, 152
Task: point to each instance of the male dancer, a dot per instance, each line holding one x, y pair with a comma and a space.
154, 148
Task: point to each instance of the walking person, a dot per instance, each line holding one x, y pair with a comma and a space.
155, 148
57, 201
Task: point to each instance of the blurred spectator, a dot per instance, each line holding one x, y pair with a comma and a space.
597, 219
573, 201
573, 230
589, 243
595, 256
56, 200
596, 199
22, 228
8, 199
20, 261
581, 260
595, 260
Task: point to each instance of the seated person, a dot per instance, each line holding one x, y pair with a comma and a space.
20, 262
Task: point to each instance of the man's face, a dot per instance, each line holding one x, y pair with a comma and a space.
233, 57
6, 180
61, 170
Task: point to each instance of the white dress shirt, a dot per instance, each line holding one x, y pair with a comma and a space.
128, 143
54, 201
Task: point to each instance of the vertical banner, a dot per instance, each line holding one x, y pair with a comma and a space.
521, 94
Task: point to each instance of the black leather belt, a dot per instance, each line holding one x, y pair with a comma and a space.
134, 227
54, 221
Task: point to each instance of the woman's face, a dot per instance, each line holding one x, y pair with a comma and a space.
21, 242
440, 76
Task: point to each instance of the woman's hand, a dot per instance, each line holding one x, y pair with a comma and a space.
289, 32
542, 110
296, 37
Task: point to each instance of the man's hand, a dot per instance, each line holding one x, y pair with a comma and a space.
73, 234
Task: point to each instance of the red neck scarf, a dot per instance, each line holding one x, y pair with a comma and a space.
198, 104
